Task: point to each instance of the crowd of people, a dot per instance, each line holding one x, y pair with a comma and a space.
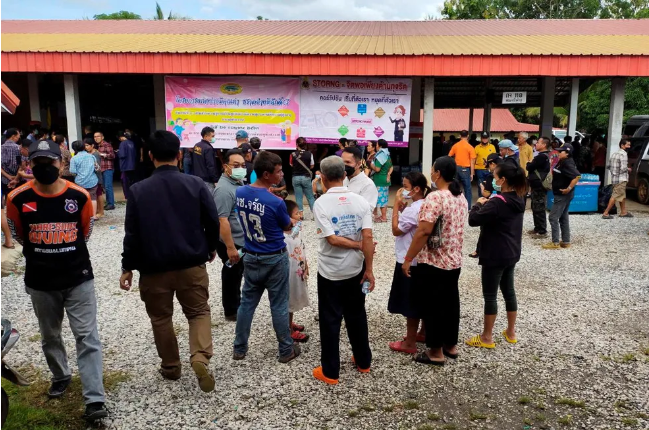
199, 204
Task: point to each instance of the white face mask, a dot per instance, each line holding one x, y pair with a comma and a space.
238, 173
406, 194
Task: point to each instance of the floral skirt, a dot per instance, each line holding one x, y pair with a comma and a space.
383, 197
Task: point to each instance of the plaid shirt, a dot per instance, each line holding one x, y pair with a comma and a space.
83, 166
619, 167
106, 162
9, 153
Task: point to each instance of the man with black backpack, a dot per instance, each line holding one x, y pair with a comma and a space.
538, 170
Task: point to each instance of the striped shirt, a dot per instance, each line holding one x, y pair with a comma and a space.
83, 166
619, 167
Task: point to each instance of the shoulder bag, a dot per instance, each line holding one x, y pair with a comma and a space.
299, 160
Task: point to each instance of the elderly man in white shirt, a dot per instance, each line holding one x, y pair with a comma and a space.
345, 257
357, 181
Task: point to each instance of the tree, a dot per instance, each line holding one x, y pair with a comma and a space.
122, 14
159, 14
594, 105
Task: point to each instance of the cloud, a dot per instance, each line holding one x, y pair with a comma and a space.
343, 10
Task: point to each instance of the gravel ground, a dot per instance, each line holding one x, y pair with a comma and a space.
583, 330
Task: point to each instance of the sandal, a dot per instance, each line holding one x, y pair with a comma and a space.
8, 247
297, 327
508, 339
422, 357
474, 254
626, 215
477, 342
358, 368
398, 347
299, 337
449, 355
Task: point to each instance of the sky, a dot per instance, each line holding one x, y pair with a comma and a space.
351, 10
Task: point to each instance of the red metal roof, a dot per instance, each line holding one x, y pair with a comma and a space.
9, 100
455, 120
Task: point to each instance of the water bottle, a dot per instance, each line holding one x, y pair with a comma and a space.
296, 229
366, 287
241, 254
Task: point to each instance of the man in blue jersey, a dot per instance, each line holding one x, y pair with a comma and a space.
264, 219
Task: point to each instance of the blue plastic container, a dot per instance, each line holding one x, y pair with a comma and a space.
586, 194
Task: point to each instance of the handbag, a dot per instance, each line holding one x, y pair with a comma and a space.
436, 240
296, 156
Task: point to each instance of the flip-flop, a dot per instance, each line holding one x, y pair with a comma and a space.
423, 358
508, 339
626, 215
478, 343
9, 247
398, 347
474, 255
449, 355
607, 217
297, 327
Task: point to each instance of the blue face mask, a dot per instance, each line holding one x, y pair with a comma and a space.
495, 185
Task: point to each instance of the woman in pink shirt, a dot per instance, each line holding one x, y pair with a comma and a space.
437, 246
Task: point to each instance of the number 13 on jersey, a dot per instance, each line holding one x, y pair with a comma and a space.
254, 221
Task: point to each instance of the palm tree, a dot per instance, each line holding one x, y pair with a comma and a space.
560, 113
160, 16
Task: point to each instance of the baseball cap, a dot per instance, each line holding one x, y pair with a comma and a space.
485, 134
507, 144
493, 158
566, 147
44, 148
241, 134
245, 148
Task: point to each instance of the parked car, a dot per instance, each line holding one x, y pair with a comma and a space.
639, 160
561, 134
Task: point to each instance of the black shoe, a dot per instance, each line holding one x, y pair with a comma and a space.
109, 208
94, 412
232, 318
57, 389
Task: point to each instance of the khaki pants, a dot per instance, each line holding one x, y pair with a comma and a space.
191, 288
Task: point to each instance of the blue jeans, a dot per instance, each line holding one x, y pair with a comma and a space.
482, 175
80, 303
560, 218
264, 272
464, 175
302, 186
108, 187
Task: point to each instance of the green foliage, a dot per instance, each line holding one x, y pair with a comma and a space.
544, 9
122, 14
595, 102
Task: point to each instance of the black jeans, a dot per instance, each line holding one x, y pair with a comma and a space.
539, 197
230, 282
439, 300
492, 278
338, 300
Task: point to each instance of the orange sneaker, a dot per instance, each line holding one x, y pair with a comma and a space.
359, 369
317, 374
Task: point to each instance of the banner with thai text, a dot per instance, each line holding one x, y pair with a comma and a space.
357, 108
267, 108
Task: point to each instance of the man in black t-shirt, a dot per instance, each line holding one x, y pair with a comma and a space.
52, 218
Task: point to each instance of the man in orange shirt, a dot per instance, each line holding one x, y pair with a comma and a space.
465, 156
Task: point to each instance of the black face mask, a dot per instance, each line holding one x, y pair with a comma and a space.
350, 171
45, 174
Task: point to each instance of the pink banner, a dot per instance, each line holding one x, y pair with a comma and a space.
267, 108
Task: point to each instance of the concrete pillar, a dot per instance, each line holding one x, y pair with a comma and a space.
72, 112
488, 102
574, 100
547, 105
34, 98
429, 103
470, 129
614, 121
415, 113
159, 101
